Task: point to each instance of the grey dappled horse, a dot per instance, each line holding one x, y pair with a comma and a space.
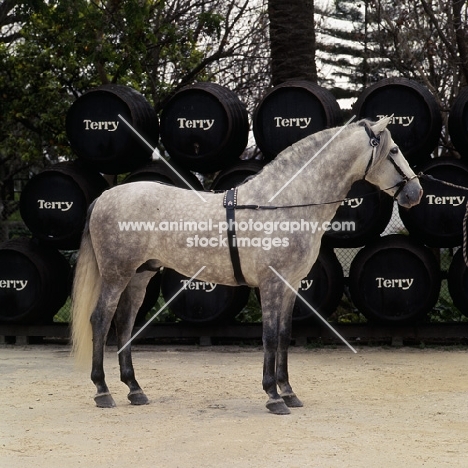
115, 266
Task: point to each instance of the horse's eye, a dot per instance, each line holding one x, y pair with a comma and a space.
394, 150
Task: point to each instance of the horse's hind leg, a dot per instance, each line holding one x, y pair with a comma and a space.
127, 310
101, 319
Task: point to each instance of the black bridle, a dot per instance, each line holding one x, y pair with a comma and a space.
374, 141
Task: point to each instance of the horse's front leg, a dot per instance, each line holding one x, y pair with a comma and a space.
282, 375
127, 310
270, 345
277, 303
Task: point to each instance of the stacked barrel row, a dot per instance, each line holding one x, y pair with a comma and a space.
35, 277
397, 278
204, 128
112, 129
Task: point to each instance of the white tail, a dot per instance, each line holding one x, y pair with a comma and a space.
86, 290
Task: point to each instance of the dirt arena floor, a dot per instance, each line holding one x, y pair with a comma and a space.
379, 408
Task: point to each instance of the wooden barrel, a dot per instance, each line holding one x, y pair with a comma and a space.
54, 203
322, 288
457, 281
394, 280
157, 171
236, 175
417, 120
291, 111
34, 282
101, 139
458, 122
202, 302
361, 218
437, 220
204, 127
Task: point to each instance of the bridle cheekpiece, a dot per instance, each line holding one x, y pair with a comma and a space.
374, 141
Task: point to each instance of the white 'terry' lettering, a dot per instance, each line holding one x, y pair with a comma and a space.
446, 200
306, 284
353, 202
108, 126
403, 284
194, 123
55, 205
198, 285
405, 121
301, 122
18, 285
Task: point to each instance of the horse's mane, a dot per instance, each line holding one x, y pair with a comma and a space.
315, 142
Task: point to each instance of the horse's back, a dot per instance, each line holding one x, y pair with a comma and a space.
149, 201
136, 222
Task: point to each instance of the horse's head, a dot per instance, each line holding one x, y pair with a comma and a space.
387, 167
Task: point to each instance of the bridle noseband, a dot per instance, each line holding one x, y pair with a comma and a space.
374, 142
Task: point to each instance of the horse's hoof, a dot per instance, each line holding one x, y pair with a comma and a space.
138, 398
291, 400
277, 406
104, 400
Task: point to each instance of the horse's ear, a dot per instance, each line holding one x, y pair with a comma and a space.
381, 125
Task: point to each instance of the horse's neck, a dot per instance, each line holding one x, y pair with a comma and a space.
328, 177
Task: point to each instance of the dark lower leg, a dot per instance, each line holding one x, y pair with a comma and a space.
282, 375
101, 319
275, 403
269, 377
103, 397
277, 307
127, 373
287, 393
126, 313
127, 376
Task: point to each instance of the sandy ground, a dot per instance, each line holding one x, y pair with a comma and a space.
379, 408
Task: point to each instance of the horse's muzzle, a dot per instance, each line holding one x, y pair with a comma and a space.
411, 194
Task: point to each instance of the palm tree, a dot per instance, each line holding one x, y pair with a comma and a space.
292, 40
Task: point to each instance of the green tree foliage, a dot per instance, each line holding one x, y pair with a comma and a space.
52, 51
